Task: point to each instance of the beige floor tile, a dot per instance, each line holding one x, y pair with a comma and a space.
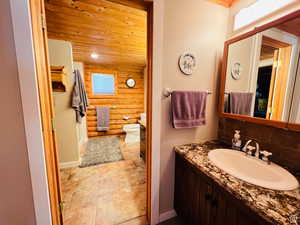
106, 194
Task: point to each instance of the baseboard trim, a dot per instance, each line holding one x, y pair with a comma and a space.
167, 215
65, 165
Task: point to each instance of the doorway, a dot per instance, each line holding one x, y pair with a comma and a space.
53, 170
262, 91
273, 74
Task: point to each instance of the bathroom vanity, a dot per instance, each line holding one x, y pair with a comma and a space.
143, 143
206, 195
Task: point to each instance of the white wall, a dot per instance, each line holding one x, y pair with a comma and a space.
81, 127
60, 54
16, 196
240, 52
200, 27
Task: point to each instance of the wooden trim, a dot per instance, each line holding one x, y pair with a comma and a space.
278, 124
39, 33
293, 126
256, 30
137, 4
273, 43
149, 109
272, 83
282, 72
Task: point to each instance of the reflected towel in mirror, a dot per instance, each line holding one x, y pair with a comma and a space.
240, 103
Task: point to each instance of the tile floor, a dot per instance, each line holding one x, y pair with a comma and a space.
106, 194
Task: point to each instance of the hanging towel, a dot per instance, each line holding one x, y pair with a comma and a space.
102, 118
79, 98
240, 103
188, 108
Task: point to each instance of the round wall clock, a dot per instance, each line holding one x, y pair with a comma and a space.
187, 63
236, 71
130, 83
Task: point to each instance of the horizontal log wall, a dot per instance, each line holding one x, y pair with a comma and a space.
128, 102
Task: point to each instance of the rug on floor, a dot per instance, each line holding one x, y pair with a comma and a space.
101, 150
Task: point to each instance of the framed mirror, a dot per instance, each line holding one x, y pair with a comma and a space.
130, 82
260, 75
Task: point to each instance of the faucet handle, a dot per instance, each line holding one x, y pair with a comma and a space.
250, 150
266, 155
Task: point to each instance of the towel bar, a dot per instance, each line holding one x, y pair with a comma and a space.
94, 106
168, 92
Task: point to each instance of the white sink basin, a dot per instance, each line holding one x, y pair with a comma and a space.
253, 170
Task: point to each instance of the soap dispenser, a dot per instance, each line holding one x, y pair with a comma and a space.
236, 141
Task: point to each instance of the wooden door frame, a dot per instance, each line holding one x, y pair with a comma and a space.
148, 6
33, 119
27, 73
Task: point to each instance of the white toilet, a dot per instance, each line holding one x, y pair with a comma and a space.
132, 133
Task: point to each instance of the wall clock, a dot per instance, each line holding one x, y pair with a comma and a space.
187, 63
130, 83
236, 71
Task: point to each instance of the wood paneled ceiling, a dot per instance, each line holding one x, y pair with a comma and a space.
225, 3
117, 33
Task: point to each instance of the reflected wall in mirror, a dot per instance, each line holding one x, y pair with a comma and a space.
268, 62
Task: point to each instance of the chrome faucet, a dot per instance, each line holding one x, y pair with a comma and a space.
248, 148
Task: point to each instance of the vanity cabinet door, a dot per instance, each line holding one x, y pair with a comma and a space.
226, 207
223, 209
200, 201
193, 194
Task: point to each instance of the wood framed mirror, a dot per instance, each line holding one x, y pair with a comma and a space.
266, 63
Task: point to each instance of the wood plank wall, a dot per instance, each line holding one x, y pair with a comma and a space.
127, 102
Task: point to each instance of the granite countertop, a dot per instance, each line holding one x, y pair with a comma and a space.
277, 207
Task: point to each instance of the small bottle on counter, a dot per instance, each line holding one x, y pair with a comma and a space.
236, 141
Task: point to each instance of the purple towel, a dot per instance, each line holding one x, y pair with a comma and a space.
188, 109
240, 103
102, 118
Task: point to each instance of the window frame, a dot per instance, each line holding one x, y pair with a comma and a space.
108, 72
245, 11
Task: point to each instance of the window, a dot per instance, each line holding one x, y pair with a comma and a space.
103, 84
258, 10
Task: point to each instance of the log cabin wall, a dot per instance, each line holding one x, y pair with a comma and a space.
127, 102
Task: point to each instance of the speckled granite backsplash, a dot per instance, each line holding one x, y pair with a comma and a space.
284, 144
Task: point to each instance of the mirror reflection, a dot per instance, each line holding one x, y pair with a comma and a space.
261, 74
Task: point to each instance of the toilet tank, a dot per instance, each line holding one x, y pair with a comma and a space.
131, 127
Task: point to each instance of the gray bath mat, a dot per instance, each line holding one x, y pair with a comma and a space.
101, 150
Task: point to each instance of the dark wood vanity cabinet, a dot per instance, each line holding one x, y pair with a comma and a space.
201, 201
143, 143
